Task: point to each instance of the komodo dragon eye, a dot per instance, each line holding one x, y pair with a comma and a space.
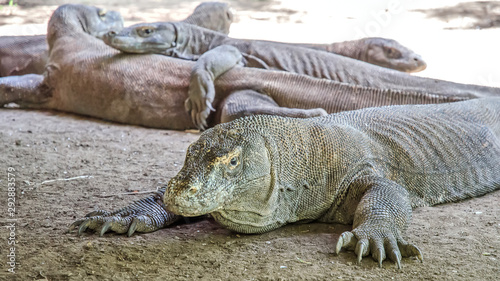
102, 13
234, 161
146, 31
392, 53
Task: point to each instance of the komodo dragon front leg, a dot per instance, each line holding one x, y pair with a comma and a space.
145, 215
380, 219
209, 67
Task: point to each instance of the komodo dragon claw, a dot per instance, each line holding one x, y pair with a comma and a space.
379, 247
201, 96
145, 215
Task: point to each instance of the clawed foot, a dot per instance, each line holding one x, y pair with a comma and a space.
145, 215
380, 246
201, 96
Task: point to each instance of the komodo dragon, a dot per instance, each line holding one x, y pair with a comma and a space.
368, 168
383, 52
21, 55
216, 53
85, 76
379, 51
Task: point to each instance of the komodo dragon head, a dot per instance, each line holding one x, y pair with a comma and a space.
391, 54
92, 20
159, 37
228, 173
167, 37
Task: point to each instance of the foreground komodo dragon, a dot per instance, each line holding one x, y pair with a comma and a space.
368, 168
216, 53
85, 76
21, 55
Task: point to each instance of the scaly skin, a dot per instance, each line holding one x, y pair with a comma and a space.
216, 54
375, 50
21, 55
368, 168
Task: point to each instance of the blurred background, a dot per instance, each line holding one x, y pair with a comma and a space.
458, 40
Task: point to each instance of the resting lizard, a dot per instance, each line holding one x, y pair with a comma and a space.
383, 52
368, 168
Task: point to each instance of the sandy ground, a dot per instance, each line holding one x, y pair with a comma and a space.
66, 166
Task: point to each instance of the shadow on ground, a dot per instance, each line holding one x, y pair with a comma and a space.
484, 14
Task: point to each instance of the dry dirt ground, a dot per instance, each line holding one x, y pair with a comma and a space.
65, 166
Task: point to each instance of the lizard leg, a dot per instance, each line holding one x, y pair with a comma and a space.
201, 93
249, 102
24, 89
381, 216
145, 215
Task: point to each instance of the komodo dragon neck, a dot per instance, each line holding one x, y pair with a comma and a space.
353, 49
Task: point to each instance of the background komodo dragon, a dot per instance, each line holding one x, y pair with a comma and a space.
368, 168
216, 53
87, 77
383, 52
21, 55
